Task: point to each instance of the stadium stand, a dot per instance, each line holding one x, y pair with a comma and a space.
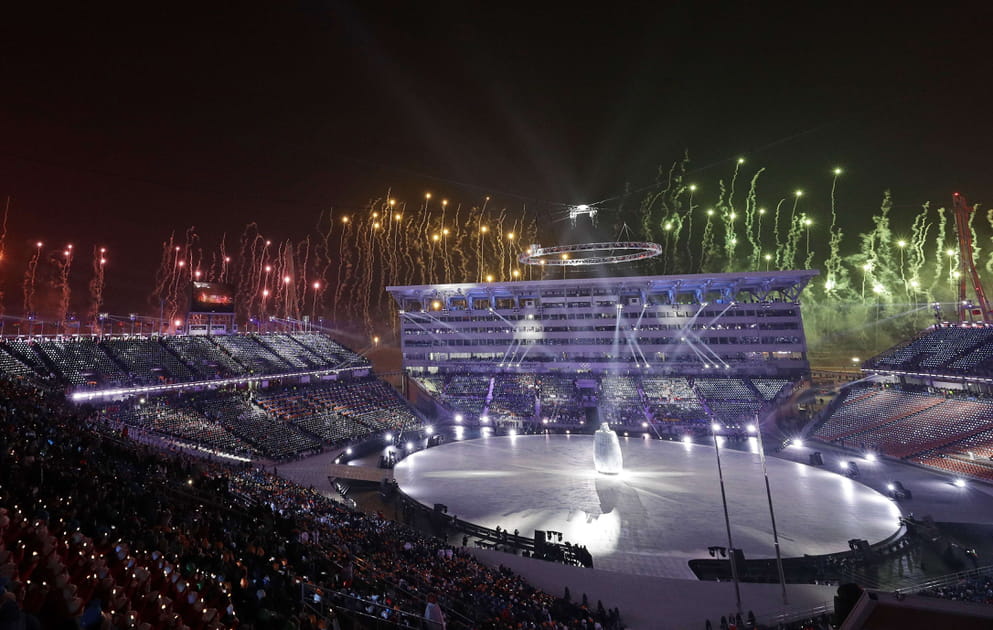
930, 403
621, 400
559, 400
12, 362
203, 358
948, 432
173, 418
330, 350
867, 408
81, 362
257, 358
236, 413
149, 361
672, 399
950, 349
299, 356
769, 388
275, 421
461, 393
24, 351
513, 399
123, 535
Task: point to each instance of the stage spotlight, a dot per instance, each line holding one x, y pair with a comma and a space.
798, 443
410, 446
844, 465
512, 433
715, 427
388, 437
687, 439
890, 487
959, 483
458, 418
429, 430
751, 428
870, 457
484, 419
348, 451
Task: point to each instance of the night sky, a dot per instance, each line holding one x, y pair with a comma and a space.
122, 123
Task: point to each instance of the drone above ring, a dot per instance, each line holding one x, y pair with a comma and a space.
566, 255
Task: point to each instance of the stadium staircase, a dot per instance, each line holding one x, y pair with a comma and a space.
16, 363
310, 351
702, 401
197, 374
116, 360
230, 355
850, 397
257, 339
43, 360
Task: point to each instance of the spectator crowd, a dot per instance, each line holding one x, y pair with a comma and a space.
97, 531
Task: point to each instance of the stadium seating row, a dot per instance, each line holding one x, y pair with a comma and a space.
943, 431
951, 350
621, 400
121, 535
88, 363
270, 423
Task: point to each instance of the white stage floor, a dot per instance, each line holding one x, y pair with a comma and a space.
662, 511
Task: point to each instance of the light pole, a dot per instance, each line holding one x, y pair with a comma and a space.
727, 519
772, 513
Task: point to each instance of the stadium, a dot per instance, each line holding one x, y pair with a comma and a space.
451, 316
750, 485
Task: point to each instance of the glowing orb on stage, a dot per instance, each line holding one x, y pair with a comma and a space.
607, 458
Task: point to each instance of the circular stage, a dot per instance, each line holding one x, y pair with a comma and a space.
662, 511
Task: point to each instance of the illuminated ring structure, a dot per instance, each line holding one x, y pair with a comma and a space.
562, 255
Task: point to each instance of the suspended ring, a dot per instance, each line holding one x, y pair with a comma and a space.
586, 254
